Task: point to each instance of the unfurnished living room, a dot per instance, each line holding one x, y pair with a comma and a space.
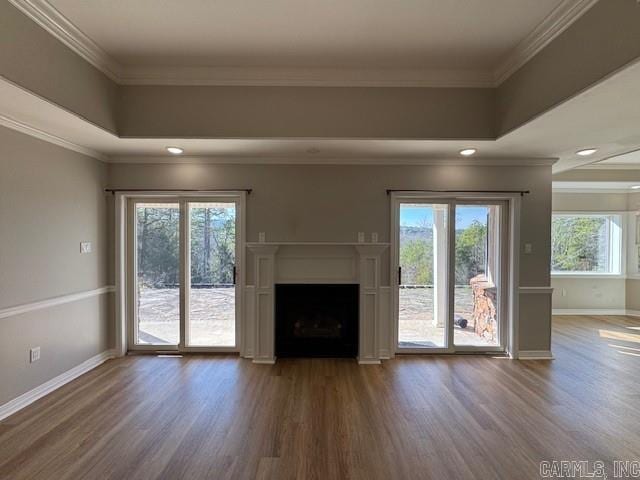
306, 239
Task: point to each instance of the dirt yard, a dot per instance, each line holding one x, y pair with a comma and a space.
212, 320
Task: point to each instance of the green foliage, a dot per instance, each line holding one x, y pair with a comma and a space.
416, 257
578, 244
158, 246
471, 252
212, 245
416, 254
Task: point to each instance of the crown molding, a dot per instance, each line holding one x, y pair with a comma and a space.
592, 190
302, 160
48, 137
561, 18
45, 15
609, 166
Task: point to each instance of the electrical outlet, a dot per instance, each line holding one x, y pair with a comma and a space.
374, 237
261, 237
85, 247
360, 237
34, 354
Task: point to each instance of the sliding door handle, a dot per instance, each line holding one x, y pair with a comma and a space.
234, 274
399, 275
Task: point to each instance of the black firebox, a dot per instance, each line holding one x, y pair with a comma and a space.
317, 320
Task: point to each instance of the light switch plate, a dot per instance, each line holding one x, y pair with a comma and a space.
85, 247
360, 237
261, 237
528, 248
374, 237
34, 354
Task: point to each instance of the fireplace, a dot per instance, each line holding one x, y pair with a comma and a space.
316, 320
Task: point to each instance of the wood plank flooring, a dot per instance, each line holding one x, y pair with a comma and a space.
440, 417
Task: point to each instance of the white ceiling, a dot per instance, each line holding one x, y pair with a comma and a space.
451, 34
629, 159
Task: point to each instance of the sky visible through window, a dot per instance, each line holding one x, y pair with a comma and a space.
422, 215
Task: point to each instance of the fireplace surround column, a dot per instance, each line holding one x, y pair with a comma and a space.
369, 278
264, 274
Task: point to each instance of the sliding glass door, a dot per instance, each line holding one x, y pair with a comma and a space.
450, 258
422, 275
157, 273
212, 258
478, 275
183, 265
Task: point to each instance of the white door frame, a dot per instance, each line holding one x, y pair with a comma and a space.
509, 303
123, 284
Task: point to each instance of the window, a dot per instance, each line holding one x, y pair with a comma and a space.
585, 243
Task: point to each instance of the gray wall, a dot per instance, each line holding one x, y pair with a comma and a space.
589, 293
51, 199
301, 112
633, 294
333, 203
604, 40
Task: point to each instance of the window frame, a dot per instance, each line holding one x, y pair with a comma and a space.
616, 247
126, 263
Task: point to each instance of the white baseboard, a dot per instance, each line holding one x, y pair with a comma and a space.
369, 362
384, 354
633, 313
264, 361
535, 355
31, 396
590, 311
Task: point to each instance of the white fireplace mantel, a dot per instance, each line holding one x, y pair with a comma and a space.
315, 262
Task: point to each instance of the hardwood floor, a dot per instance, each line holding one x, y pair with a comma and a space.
414, 417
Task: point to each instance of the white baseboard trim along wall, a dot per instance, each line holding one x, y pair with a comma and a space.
596, 311
535, 355
40, 391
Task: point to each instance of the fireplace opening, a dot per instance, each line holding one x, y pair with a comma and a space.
317, 320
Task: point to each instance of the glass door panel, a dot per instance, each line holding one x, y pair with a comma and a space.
477, 275
422, 274
212, 257
157, 275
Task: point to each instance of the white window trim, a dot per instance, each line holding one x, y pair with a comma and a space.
511, 247
121, 312
619, 256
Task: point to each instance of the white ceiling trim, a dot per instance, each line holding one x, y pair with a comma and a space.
610, 166
592, 190
302, 160
47, 137
45, 15
563, 186
561, 18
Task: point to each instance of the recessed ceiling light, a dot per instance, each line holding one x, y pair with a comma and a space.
467, 152
635, 187
586, 152
175, 150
